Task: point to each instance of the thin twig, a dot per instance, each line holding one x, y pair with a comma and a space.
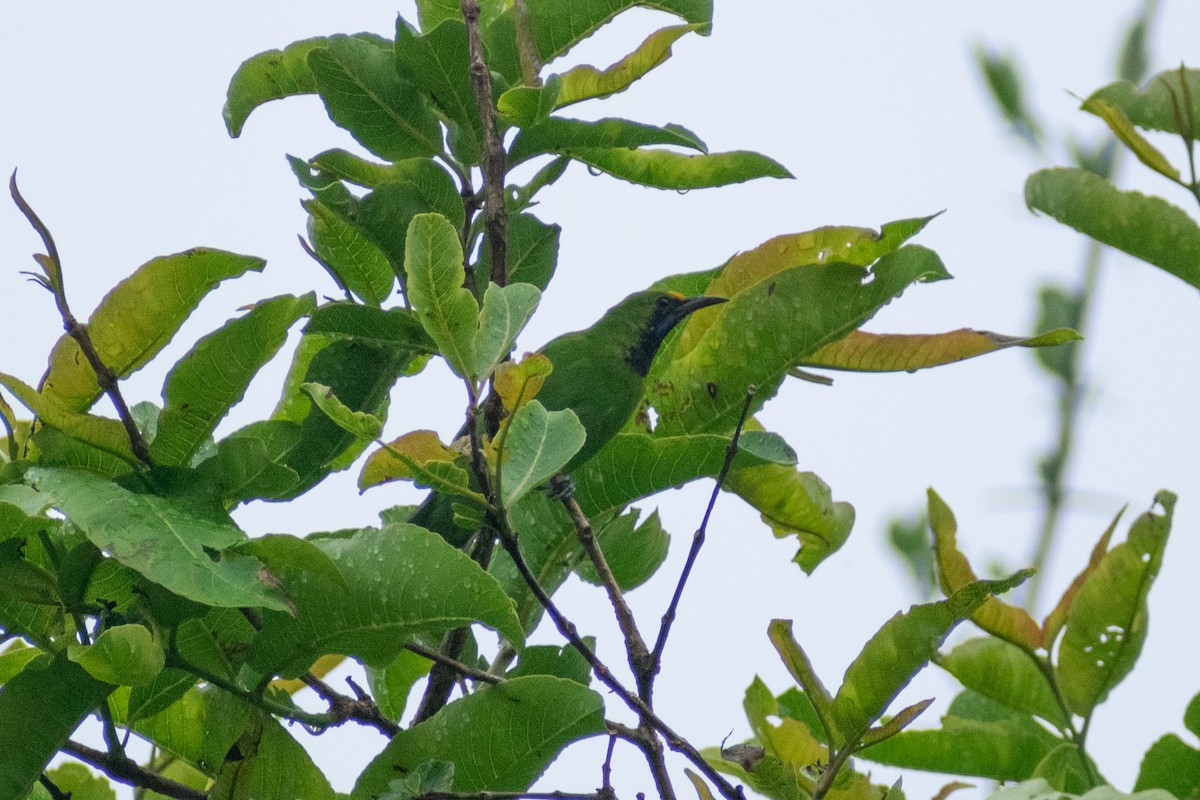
51, 787
668, 617
121, 768
493, 160
360, 708
508, 541
606, 787
466, 670
106, 379
635, 645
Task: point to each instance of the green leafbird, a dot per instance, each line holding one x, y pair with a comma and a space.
600, 374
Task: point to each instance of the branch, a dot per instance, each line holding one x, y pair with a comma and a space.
466, 670
635, 645
124, 769
360, 708
698, 538
493, 160
508, 541
106, 379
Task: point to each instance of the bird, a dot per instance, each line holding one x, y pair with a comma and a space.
600, 374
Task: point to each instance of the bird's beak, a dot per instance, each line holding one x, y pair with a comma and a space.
699, 302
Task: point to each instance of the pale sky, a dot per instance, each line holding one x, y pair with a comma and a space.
112, 113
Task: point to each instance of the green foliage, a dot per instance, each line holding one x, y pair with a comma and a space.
130, 593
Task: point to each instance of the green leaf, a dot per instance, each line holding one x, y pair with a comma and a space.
80, 782
908, 537
123, 655
527, 106
363, 93
767, 328
361, 375
565, 136
200, 728
102, 433
214, 375
358, 423
1123, 129
998, 743
1106, 624
1147, 227
633, 554
1040, 789
801, 669
432, 182
1003, 672
792, 501
433, 262
354, 262
894, 352
1010, 622
1153, 107
138, 317
14, 659
427, 777
250, 463
499, 738
391, 685
1004, 82
899, 650
271, 766
152, 535
1059, 308
275, 74
432, 13
57, 449
388, 586
1191, 717
537, 445
394, 326
636, 465
419, 456
506, 310
39, 709
663, 169
167, 688
585, 82
532, 252
558, 25
1170, 764
1062, 770
24, 580
438, 64
560, 662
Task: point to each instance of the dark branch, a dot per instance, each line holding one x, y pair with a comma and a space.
493, 160
360, 708
121, 768
466, 670
668, 618
106, 379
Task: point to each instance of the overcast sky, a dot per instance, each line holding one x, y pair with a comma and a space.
112, 113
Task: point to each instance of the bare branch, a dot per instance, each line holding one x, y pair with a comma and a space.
698, 538
466, 670
119, 767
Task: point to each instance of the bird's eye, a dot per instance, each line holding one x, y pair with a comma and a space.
663, 301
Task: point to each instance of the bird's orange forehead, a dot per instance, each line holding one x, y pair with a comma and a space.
677, 295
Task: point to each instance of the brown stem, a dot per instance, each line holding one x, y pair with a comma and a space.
360, 708
635, 645
466, 670
106, 379
493, 160
124, 769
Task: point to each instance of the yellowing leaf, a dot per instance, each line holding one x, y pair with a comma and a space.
1011, 623
585, 82
1123, 129
519, 382
405, 459
893, 352
1055, 620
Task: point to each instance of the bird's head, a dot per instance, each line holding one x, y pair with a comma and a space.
654, 315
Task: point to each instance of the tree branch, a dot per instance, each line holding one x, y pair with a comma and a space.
466, 670
493, 160
106, 379
121, 768
668, 618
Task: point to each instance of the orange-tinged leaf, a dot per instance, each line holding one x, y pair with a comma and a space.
1055, 620
702, 790
1009, 622
403, 458
518, 383
893, 352
951, 788
842, 243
